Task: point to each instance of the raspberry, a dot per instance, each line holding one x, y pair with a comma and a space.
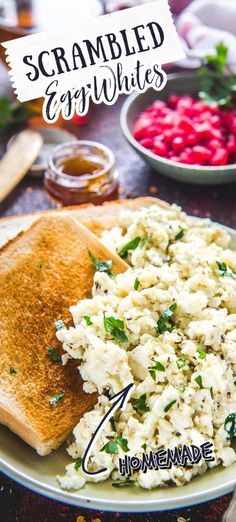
159, 147
187, 130
219, 158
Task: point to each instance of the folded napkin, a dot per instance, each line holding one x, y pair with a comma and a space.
205, 23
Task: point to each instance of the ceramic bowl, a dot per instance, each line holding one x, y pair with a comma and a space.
184, 84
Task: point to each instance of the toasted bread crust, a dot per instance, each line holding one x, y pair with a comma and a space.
42, 273
96, 218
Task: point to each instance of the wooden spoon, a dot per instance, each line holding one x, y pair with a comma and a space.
20, 156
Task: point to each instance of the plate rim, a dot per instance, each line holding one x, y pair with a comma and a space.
130, 506
117, 505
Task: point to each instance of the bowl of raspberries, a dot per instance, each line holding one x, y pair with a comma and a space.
187, 131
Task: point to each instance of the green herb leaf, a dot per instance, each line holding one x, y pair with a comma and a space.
56, 398
54, 355
131, 245
211, 392
111, 447
13, 113
180, 233
143, 242
123, 483
59, 325
198, 380
169, 406
140, 404
230, 425
111, 275
217, 84
158, 367
87, 318
123, 443
136, 284
144, 446
163, 324
224, 271
115, 327
5, 112
78, 463
12, 370
181, 363
202, 354
113, 424
100, 266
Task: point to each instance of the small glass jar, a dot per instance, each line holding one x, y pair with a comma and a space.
81, 172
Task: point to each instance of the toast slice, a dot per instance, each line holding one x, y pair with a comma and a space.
42, 272
96, 218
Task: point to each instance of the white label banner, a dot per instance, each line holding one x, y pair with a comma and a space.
123, 47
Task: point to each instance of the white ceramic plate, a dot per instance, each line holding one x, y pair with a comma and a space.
21, 463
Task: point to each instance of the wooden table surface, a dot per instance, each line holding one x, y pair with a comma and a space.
136, 178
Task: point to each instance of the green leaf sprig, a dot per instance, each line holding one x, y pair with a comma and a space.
13, 114
218, 84
224, 271
112, 446
163, 323
54, 354
56, 398
230, 425
140, 404
158, 367
115, 327
100, 266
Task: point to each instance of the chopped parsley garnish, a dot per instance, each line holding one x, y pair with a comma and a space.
140, 404
87, 318
181, 388
181, 363
163, 323
158, 367
111, 446
230, 425
111, 275
169, 406
211, 392
78, 463
54, 355
12, 370
56, 398
123, 443
115, 327
198, 380
59, 325
100, 266
144, 446
143, 242
123, 483
224, 271
180, 233
136, 284
202, 354
131, 245
113, 424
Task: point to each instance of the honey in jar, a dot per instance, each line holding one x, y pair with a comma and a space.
81, 172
